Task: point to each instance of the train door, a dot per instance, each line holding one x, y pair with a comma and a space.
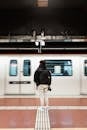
19, 79
84, 75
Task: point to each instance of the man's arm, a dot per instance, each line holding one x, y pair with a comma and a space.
49, 76
36, 78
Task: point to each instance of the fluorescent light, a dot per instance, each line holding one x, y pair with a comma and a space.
36, 43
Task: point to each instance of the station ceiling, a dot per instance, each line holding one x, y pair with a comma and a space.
10, 4
22, 16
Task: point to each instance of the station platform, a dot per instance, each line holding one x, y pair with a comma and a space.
24, 114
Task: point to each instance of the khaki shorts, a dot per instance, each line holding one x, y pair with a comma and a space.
43, 88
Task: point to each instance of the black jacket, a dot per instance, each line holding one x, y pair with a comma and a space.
42, 76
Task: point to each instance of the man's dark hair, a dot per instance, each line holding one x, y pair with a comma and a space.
42, 62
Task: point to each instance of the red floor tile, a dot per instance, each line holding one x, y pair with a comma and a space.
68, 101
19, 102
68, 118
17, 118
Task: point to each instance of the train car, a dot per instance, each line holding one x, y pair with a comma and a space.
69, 73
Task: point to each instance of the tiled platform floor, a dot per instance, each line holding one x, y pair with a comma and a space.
68, 118
51, 129
17, 118
59, 118
35, 102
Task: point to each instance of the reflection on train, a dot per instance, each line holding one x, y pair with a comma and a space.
69, 73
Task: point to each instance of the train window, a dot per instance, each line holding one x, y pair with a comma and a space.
26, 68
85, 67
13, 68
59, 67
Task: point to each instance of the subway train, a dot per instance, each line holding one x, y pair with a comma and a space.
69, 73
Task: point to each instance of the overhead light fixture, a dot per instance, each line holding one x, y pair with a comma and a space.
37, 43
42, 43
42, 3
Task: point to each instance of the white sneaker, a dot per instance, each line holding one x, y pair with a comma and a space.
41, 108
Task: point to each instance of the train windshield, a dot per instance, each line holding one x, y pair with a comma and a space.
59, 67
85, 67
13, 68
26, 68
